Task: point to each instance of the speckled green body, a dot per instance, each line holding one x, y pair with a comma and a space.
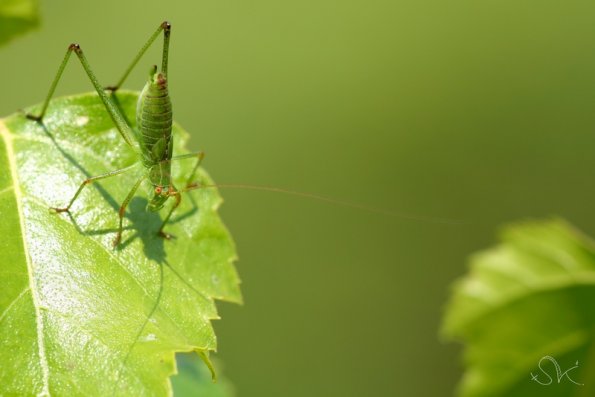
153, 133
151, 138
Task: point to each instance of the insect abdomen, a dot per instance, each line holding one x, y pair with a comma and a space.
154, 121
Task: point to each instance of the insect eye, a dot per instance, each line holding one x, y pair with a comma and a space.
158, 189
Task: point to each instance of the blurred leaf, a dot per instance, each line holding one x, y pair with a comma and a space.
77, 316
17, 17
528, 298
194, 379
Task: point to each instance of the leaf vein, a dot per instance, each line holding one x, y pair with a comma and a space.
6, 190
8, 140
39, 202
15, 300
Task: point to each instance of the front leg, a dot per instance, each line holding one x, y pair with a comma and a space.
199, 157
178, 197
177, 194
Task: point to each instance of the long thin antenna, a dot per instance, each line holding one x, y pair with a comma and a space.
313, 196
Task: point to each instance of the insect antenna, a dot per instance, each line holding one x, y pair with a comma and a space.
312, 196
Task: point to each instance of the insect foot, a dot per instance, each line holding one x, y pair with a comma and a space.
117, 240
164, 235
33, 117
57, 210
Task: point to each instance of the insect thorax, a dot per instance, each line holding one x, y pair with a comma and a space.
154, 125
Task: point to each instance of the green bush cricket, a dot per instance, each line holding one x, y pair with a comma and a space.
152, 139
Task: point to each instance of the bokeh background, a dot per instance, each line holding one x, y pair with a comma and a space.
479, 111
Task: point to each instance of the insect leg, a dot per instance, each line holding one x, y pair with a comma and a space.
111, 108
166, 28
178, 198
199, 157
177, 193
88, 181
122, 210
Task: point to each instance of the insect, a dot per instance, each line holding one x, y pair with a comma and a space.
152, 138
153, 141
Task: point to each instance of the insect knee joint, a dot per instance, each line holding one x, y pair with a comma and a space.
75, 47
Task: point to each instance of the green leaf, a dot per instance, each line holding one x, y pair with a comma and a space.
527, 299
78, 317
194, 379
17, 17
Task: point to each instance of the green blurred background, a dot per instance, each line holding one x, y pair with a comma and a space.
481, 111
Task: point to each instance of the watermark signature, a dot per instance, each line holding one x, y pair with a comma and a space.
539, 378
